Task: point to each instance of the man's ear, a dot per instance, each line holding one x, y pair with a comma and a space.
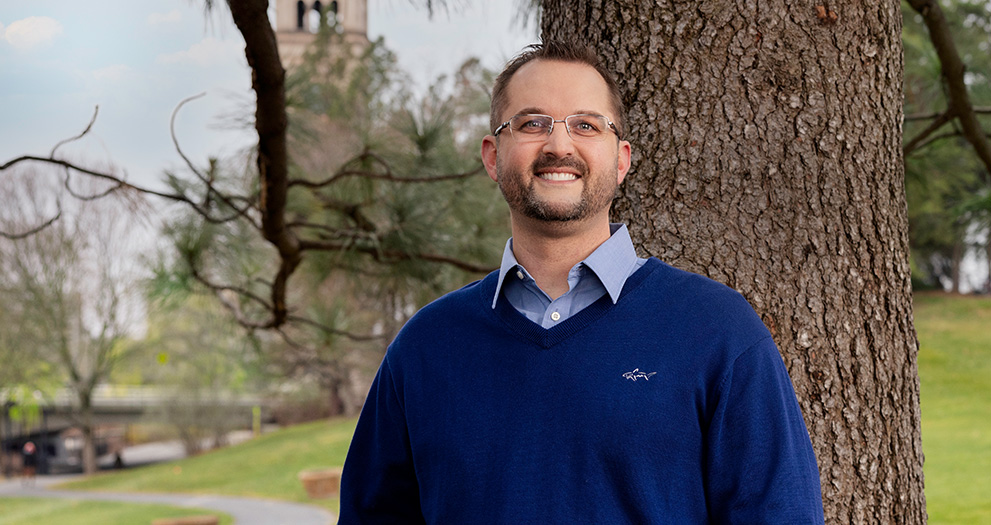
623, 162
489, 156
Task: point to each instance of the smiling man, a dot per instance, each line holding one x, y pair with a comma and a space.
579, 383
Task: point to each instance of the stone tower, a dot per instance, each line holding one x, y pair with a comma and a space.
298, 21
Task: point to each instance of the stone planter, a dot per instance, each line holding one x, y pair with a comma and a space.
321, 483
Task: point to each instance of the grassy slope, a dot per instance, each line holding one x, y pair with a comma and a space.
264, 468
33, 511
955, 372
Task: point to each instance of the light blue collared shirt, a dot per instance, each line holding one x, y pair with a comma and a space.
604, 271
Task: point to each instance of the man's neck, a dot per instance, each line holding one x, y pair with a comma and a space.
549, 252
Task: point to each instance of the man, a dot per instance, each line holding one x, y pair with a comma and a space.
579, 383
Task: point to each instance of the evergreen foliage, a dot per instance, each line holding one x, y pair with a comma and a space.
946, 184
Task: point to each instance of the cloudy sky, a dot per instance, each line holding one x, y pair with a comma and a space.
136, 60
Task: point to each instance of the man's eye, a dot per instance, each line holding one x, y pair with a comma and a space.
531, 125
585, 126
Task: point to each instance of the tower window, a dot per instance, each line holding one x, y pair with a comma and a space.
315, 14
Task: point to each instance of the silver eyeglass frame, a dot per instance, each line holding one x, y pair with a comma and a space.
550, 130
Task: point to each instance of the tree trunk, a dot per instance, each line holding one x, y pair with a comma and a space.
89, 443
334, 384
987, 256
955, 264
4, 467
767, 155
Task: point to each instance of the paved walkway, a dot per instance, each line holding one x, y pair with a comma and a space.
245, 511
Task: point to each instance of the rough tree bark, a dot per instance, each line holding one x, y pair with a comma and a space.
767, 155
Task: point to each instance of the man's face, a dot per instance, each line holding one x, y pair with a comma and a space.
557, 179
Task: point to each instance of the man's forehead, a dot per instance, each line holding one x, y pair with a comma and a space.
547, 84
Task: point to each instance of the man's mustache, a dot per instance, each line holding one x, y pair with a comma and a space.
545, 162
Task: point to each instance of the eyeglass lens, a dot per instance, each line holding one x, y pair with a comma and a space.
538, 127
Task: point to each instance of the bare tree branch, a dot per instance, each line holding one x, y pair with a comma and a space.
122, 184
49, 222
96, 174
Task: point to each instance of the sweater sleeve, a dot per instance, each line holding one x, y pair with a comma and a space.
760, 464
379, 483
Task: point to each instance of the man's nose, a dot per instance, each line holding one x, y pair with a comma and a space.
559, 142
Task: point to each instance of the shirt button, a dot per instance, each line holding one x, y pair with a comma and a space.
519, 273
555, 316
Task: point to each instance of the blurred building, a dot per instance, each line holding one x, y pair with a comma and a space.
297, 23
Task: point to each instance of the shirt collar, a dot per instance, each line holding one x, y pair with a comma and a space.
611, 262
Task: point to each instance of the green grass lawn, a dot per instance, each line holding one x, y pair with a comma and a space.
265, 467
34, 511
955, 372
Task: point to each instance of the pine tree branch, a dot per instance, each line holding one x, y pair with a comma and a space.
933, 126
386, 173
980, 110
953, 70
392, 256
936, 138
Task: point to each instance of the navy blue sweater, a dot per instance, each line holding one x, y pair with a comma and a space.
671, 406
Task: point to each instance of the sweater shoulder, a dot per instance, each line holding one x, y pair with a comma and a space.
704, 303
455, 308
464, 301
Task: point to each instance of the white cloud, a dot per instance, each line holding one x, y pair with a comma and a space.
207, 52
165, 18
32, 32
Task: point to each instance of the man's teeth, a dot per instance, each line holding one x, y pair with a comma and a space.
558, 176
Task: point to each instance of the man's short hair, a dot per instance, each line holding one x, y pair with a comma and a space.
563, 52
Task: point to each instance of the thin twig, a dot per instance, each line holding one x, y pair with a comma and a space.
100, 195
175, 141
92, 120
49, 222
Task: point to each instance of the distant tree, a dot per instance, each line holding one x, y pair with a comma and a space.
71, 285
200, 359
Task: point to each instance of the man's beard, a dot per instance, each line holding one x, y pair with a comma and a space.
517, 188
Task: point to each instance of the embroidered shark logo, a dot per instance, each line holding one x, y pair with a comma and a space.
637, 374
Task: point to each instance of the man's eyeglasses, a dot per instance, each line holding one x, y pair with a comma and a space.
534, 128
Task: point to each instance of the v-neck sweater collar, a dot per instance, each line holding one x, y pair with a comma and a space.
548, 337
